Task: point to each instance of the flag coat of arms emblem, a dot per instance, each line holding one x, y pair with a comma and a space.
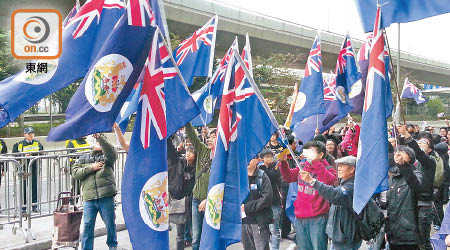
109, 81
83, 36
164, 106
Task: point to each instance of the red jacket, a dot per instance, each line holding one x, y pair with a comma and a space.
350, 140
309, 203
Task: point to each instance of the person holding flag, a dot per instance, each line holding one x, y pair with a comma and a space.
245, 126
257, 213
310, 208
203, 168
95, 171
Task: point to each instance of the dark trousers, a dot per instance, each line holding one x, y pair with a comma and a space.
180, 236
438, 212
425, 220
255, 237
285, 222
33, 184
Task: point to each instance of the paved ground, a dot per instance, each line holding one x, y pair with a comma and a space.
42, 229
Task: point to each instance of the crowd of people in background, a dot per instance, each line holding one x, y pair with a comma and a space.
419, 181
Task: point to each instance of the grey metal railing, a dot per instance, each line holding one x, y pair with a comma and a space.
52, 175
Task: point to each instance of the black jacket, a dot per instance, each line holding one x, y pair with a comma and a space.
258, 205
427, 167
274, 174
401, 222
3, 150
341, 226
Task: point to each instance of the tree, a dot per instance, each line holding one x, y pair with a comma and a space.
276, 80
8, 65
62, 97
435, 106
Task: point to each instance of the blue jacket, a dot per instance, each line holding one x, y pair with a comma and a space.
341, 226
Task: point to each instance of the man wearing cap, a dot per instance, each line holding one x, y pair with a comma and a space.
341, 226
29, 146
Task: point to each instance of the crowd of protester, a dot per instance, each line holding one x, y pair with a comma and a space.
413, 206
419, 180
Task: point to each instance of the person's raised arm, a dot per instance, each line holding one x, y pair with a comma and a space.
120, 137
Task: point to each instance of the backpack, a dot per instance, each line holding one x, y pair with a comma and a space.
439, 174
370, 221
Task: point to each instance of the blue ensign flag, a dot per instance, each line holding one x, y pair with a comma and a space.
347, 72
82, 38
358, 90
244, 127
208, 97
310, 94
129, 107
335, 111
399, 11
195, 55
164, 106
112, 75
412, 92
373, 144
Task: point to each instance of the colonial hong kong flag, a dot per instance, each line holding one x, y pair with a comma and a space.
412, 92
164, 106
347, 72
373, 145
357, 93
195, 55
209, 96
111, 77
244, 127
310, 94
82, 38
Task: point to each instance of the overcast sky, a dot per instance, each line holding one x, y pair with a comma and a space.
429, 37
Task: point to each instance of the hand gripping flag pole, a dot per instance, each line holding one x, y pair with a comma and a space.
266, 107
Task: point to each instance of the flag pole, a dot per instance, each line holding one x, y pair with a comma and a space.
265, 106
394, 73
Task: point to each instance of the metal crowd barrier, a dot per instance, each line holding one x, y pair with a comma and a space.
53, 175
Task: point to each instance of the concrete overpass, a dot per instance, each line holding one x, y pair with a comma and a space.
268, 35
271, 35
